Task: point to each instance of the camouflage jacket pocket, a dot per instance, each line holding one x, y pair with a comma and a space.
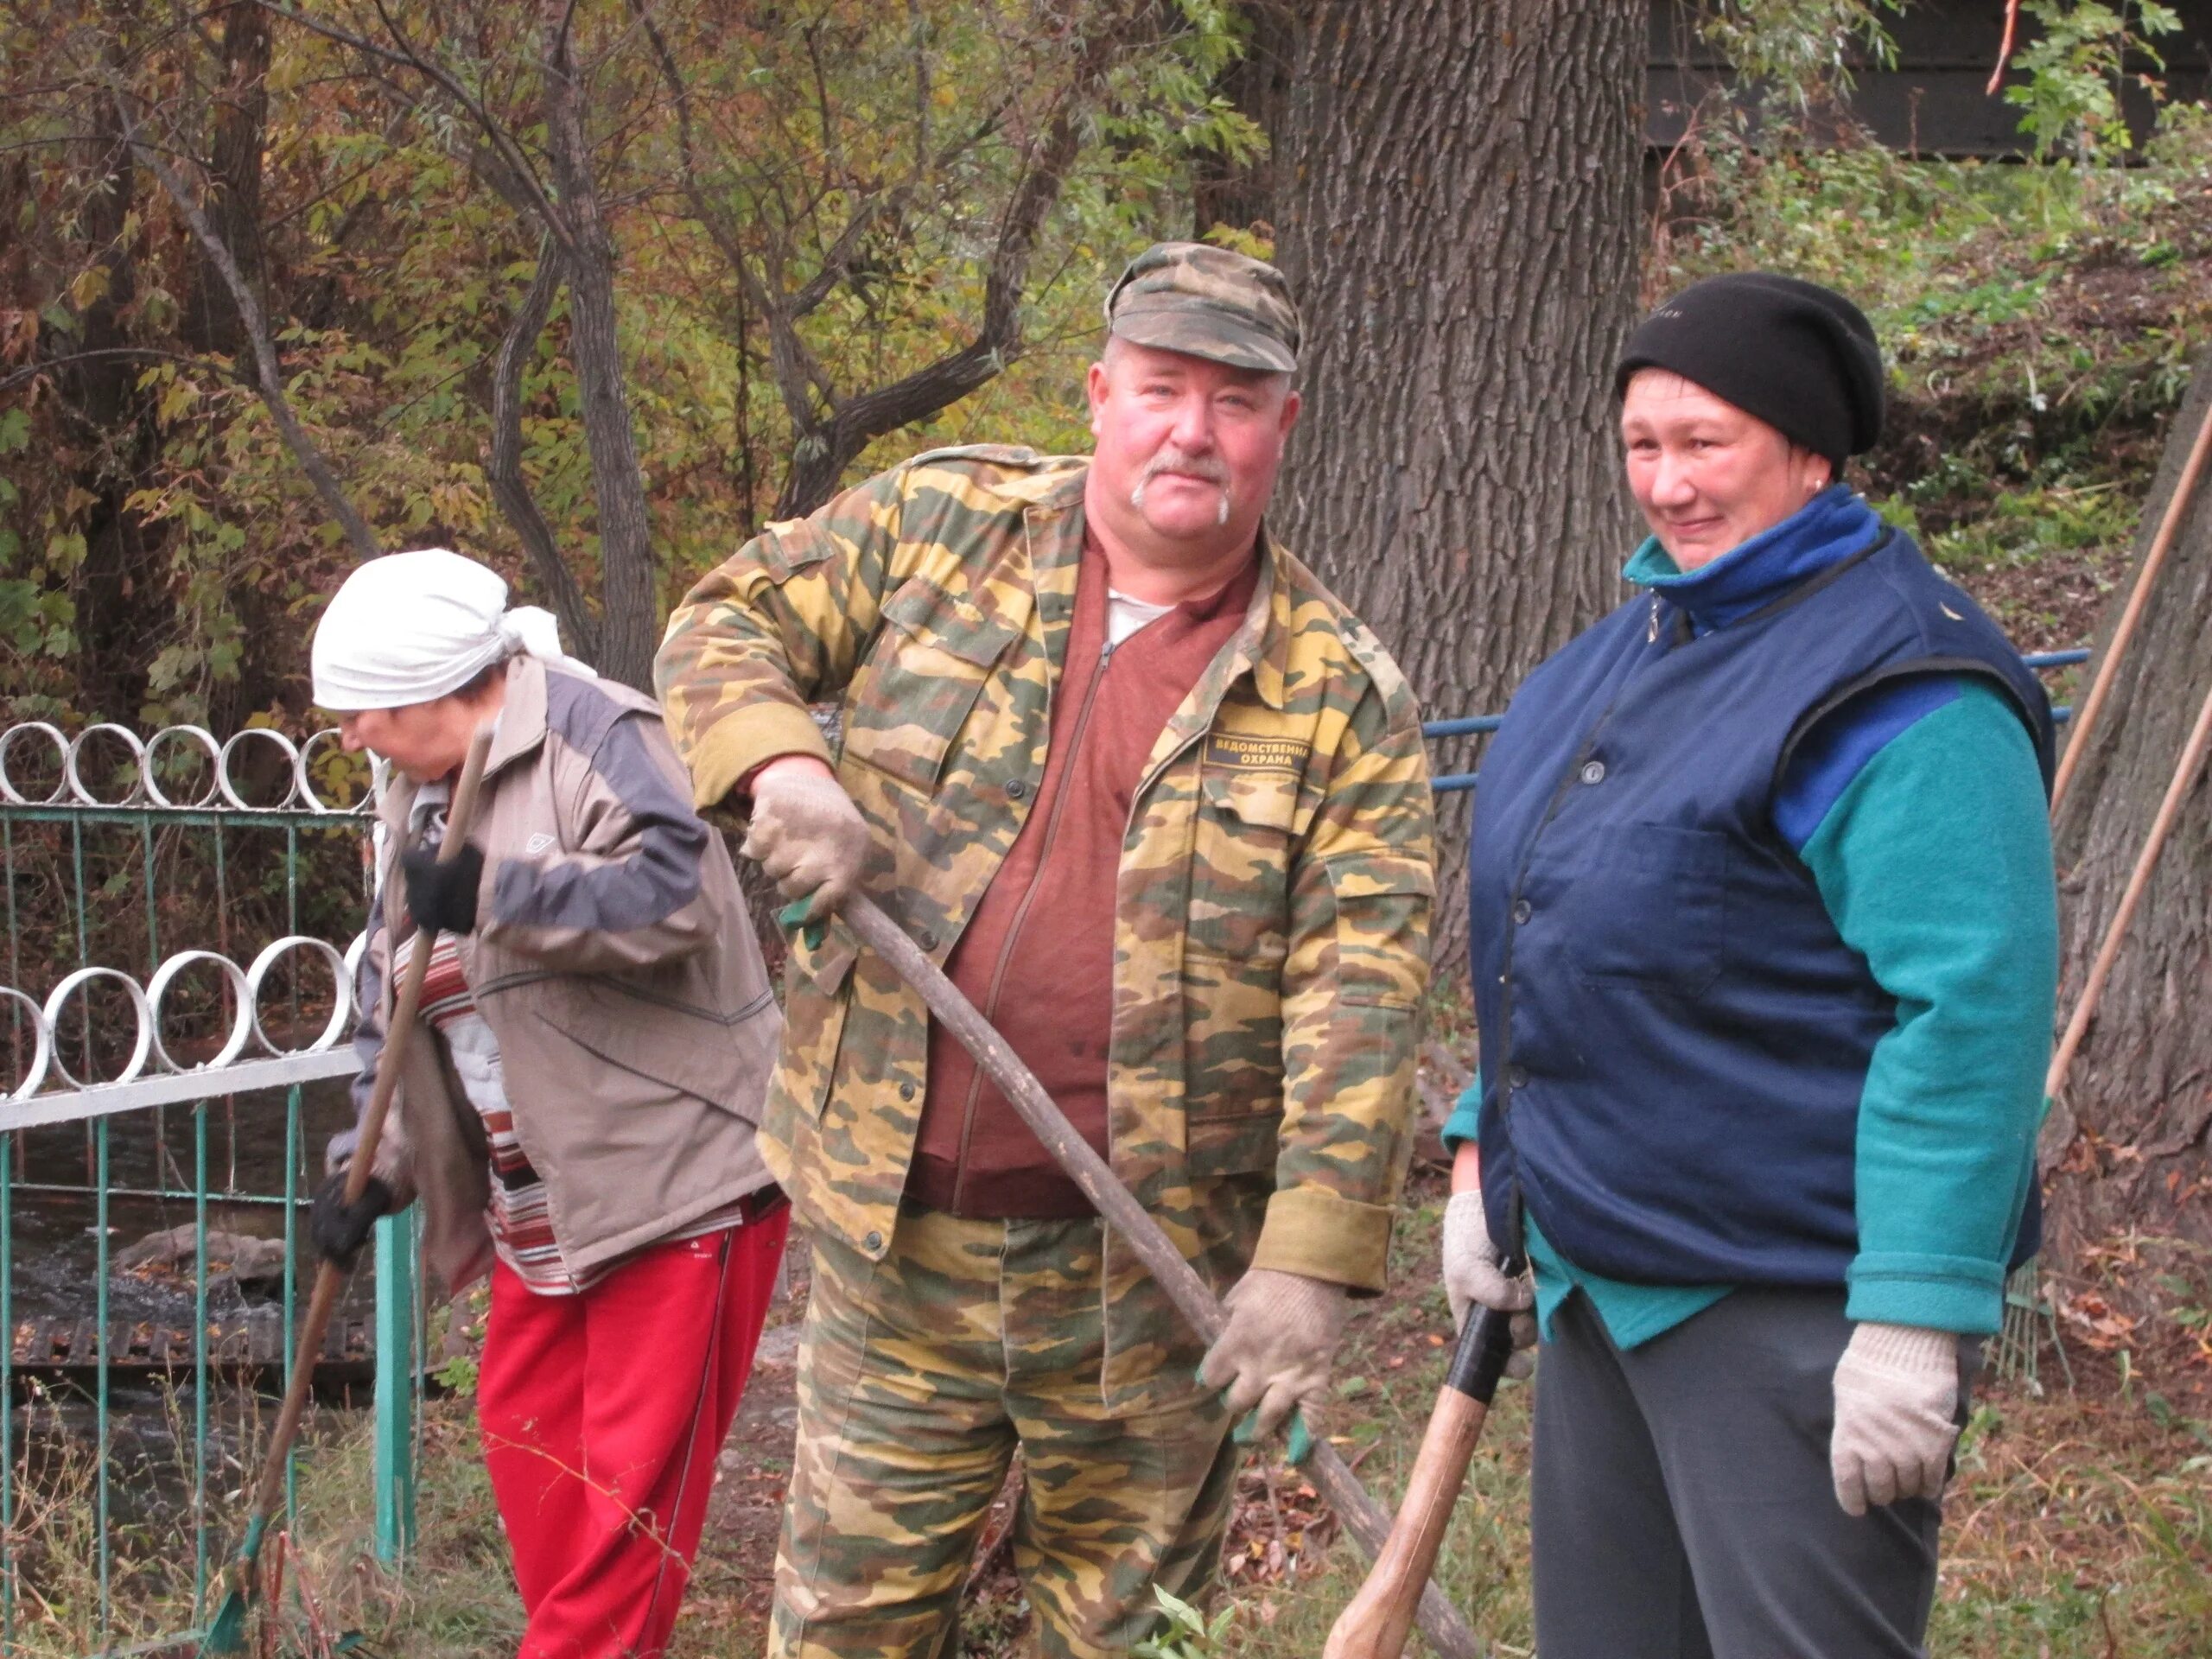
1239, 906
1381, 902
922, 680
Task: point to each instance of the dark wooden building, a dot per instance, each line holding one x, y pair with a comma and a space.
1933, 100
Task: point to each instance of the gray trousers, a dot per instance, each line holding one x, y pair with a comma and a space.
1682, 1506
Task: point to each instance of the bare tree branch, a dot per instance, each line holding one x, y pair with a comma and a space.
254, 326
406, 56
508, 487
47, 365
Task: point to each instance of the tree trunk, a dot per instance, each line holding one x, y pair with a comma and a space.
2127, 1145
1457, 204
234, 204
629, 600
122, 610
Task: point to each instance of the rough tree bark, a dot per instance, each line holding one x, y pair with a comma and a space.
579, 628
2129, 1141
629, 606
1458, 207
233, 202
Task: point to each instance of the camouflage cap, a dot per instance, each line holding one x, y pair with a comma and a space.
1208, 301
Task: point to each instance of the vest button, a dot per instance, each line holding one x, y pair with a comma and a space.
926, 938
905, 1091
1517, 1077
1594, 772
873, 1243
1017, 788
1521, 912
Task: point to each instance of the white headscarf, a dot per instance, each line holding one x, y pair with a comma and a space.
409, 627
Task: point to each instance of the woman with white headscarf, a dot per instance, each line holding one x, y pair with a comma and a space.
580, 1124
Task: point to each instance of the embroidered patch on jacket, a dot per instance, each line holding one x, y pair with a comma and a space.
1245, 752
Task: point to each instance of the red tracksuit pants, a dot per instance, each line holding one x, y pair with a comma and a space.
602, 1415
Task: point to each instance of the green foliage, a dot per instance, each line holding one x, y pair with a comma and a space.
1800, 52
2069, 104
871, 151
1188, 1634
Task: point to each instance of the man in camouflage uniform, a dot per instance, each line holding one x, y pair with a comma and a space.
1159, 805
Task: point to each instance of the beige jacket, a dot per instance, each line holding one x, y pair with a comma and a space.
614, 963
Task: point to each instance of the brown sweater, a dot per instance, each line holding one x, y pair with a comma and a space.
1038, 956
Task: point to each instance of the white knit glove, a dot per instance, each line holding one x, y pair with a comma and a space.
807, 835
1283, 1331
1474, 1273
1896, 1389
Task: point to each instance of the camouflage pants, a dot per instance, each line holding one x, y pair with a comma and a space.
918, 1376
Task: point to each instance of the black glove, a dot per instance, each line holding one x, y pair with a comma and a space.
339, 1228
443, 896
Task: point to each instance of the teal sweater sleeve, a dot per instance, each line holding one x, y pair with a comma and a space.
1936, 864
1466, 1122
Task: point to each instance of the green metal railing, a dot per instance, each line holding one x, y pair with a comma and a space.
117, 850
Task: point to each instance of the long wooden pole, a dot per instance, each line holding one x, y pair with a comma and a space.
2092, 706
2185, 771
329, 1277
1439, 1622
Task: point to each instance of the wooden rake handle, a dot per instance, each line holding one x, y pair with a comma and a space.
329, 1277
1374, 1626
1439, 1622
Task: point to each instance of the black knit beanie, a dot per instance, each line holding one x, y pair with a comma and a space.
1799, 357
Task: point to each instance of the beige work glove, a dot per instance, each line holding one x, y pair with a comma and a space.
1896, 1389
1474, 1273
805, 832
1283, 1331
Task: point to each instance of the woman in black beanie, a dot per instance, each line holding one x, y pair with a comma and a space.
1764, 951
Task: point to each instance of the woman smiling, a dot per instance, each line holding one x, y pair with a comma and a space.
1765, 952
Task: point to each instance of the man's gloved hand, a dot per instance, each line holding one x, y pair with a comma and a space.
442, 897
1283, 1330
1896, 1388
339, 1228
806, 833
1474, 1273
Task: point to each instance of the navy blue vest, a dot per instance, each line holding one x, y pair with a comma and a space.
1674, 1038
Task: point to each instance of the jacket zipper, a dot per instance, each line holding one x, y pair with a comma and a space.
1021, 911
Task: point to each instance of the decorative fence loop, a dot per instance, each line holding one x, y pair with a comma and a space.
342, 1000
149, 1055
42, 1042
142, 1039
72, 759
201, 739
304, 776
73, 772
242, 1021
241, 739
9, 791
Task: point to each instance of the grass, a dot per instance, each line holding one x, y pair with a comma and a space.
2080, 1524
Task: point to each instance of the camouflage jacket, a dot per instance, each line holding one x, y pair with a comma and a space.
1271, 944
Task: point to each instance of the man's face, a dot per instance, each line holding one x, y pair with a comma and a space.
1187, 448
